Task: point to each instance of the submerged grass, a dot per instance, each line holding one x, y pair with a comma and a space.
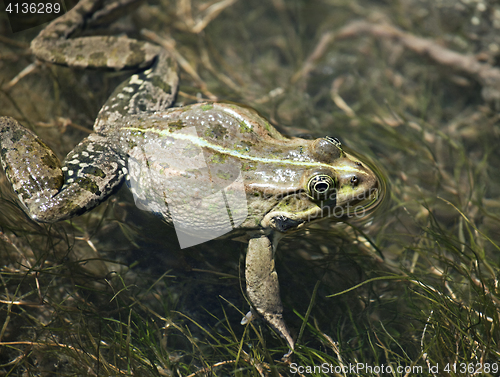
110, 293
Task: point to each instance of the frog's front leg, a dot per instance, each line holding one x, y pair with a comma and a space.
51, 192
263, 286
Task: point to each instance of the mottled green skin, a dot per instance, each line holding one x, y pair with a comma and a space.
175, 159
233, 141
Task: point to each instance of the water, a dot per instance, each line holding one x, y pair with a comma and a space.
428, 256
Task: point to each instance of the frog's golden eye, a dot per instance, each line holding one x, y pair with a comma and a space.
321, 186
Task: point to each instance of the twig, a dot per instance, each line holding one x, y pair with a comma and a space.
25, 72
317, 53
487, 75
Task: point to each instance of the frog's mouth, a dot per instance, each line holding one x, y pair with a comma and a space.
292, 211
295, 210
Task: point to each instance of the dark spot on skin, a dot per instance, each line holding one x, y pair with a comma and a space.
159, 83
93, 170
177, 125
163, 166
23, 193
17, 135
147, 98
136, 55
131, 144
88, 185
98, 59
99, 148
55, 182
50, 161
57, 55
218, 158
216, 131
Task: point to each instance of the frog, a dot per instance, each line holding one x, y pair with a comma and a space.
208, 169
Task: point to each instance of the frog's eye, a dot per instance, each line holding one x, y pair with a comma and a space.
321, 186
327, 149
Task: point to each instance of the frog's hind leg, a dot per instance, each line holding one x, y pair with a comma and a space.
51, 192
148, 91
56, 43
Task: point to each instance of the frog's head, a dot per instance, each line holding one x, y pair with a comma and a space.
337, 184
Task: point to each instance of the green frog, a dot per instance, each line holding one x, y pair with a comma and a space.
207, 169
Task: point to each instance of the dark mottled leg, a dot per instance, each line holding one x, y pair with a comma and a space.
49, 192
56, 45
263, 287
148, 91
